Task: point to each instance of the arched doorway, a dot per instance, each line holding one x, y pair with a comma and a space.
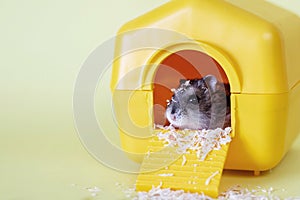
183, 64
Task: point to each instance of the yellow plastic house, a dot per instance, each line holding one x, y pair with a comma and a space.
252, 45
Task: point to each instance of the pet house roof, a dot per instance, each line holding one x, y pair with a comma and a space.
256, 43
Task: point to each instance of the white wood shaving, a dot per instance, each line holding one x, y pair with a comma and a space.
93, 191
167, 174
211, 177
183, 160
168, 102
130, 193
258, 193
201, 141
187, 83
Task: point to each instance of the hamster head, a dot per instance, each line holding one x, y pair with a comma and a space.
198, 104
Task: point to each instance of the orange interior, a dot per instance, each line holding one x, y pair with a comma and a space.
185, 64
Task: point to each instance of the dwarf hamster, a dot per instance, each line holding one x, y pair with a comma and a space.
200, 104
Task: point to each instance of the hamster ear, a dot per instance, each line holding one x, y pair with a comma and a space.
211, 82
196, 82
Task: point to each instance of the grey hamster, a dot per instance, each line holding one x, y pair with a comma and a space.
200, 104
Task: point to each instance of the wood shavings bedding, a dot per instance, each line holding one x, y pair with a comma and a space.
156, 193
201, 141
234, 193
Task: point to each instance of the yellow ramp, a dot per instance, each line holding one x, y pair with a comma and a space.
164, 167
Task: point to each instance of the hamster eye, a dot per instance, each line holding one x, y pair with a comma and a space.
193, 99
204, 89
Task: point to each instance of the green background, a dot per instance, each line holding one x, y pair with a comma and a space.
42, 46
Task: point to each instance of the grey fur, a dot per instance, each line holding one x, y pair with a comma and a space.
200, 104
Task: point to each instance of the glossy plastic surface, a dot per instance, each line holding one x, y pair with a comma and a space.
257, 50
